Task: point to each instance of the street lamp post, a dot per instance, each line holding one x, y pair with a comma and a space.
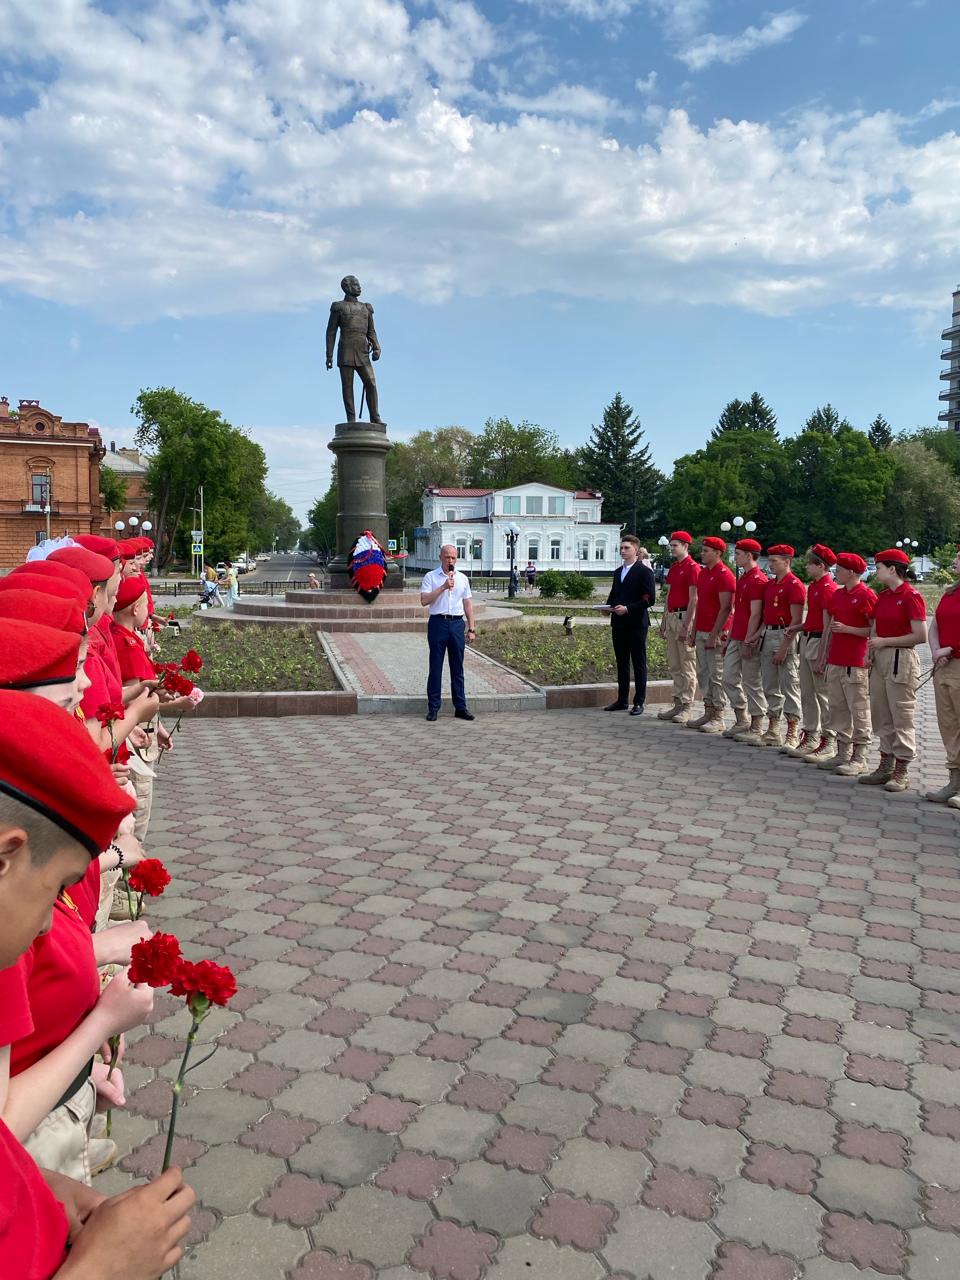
909, 545
748, 526
663, 542
513, 533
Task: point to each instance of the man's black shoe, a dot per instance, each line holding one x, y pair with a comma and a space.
465, 715
431, 715
616, 706
637, 710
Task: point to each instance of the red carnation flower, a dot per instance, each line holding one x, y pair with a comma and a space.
171, 617
159, 669
191, 661
179, 685
108, 712
204, 981
150, 877
156, 961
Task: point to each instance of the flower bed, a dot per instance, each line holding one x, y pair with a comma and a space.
545, 653
264, 659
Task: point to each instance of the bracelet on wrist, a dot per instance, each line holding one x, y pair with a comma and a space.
113, 847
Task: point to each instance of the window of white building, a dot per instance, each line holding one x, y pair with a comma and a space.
555, 545
583, 549
555, 506
477, 548
511, 506
583, 517
534, 506
533, 549
461, 548
451, 513
600, 553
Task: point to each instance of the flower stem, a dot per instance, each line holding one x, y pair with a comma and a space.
134, 913
177, 1090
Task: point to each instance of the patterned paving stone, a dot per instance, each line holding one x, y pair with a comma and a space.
493, 1198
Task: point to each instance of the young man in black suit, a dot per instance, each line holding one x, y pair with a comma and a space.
631, 595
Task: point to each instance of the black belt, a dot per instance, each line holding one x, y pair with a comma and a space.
76, 1085
683, 609
815, 634
782, 627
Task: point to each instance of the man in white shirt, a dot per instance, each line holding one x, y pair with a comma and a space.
447, 593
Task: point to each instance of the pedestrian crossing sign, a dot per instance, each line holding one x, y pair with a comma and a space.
198, 548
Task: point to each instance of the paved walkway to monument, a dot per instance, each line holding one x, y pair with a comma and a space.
556, 996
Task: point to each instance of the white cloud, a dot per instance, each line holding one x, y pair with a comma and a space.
647, 85
703, 50
221, 160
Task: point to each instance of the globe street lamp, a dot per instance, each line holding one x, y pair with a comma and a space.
663, 542
513, 533
910, 546
748, 526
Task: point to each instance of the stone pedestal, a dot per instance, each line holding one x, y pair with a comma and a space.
361, 452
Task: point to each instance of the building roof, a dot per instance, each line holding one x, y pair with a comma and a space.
457, 493
587, 493
466, 520
117, 462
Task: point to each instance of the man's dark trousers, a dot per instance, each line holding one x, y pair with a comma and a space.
630, 646
446, 635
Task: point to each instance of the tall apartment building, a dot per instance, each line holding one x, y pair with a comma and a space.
950, 416
49, 478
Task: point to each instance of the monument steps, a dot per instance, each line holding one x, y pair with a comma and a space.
341, 611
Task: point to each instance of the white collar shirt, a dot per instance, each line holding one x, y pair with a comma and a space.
450, 603
625, 570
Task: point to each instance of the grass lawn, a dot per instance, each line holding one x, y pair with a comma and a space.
251, 659
547, 655
557, 608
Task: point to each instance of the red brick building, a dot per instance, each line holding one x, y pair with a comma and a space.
131, 466
49, 478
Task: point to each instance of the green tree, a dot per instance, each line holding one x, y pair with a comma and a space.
272, 523
506, 454
924, 500
879, 433
113, 489
945, 444
738, 473
438, 457
825, 420
321, 532
616, 463
745, 415
836, 490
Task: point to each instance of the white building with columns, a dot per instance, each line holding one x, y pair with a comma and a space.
559, 529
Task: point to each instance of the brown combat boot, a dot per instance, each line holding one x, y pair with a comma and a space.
951, 789
671, 713
702, 719
715, 723
806, 745
881, 774
840, 754
827, 750
753, 735
772, 737
856, 764
793, 736
900, 778
740, 725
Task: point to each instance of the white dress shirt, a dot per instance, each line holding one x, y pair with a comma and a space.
449, 604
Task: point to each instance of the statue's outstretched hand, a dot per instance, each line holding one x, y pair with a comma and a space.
375, 353
329, 364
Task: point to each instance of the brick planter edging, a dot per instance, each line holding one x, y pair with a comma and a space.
561, 697
336, 702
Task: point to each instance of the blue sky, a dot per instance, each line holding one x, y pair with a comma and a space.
684, 200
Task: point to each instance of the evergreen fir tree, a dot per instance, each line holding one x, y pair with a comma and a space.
745, 415
614, 461
827, 421
881, 436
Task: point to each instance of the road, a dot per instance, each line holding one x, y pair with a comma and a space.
279, 569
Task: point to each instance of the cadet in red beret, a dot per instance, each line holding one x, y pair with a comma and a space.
899, 625
779, 655
54, 569
714, 600
58, 803
816, 738
102, 546
41, 660
945, 650
129, 615
681, 602
54, 586
47, 610
742, 682
850, 611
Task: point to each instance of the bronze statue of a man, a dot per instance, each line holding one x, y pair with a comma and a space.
358, 345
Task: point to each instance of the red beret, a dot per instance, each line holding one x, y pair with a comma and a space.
893, 556
823, 552
53, 569
102, 546
129, 548
148, 543
850, 560
32, 655
98, 568
715, 544
749, 544
781, 549
48, 610
50, 586
130, 590
681, 535
49, 762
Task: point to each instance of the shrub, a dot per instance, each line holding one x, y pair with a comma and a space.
550, 583
576, 586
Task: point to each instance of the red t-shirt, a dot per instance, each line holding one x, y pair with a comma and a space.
681, 576
131, 655
103, 672
897, 609
751, 586
779, 596
710, 585
15, 1019
63, 985
855, 609
948, 621
86, 893
819, 595
33, 1225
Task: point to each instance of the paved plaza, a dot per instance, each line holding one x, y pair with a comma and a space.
559, 996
